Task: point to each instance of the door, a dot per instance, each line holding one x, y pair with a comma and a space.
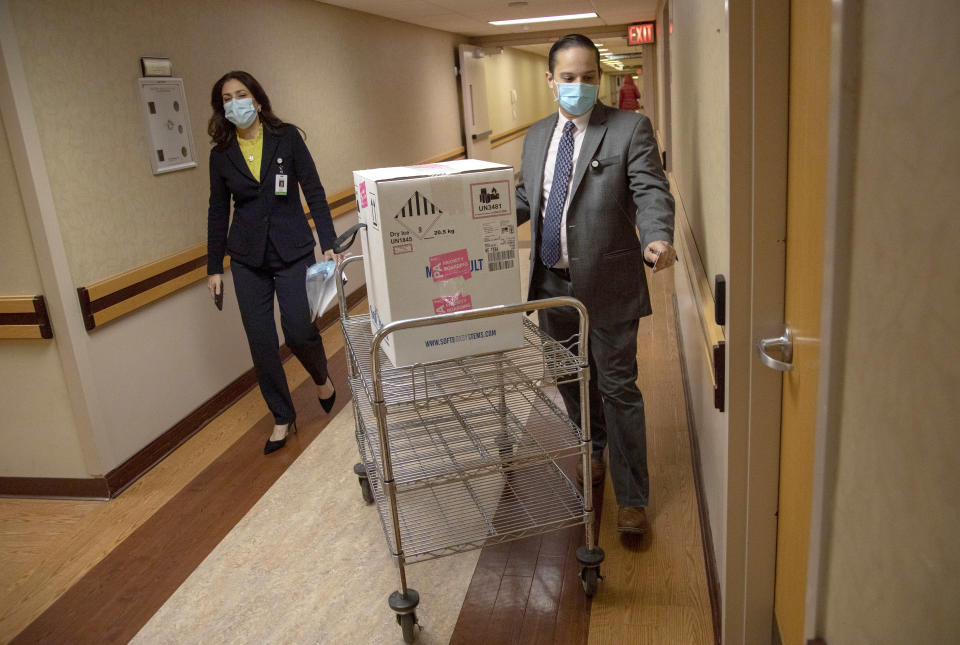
473, 87
810, 22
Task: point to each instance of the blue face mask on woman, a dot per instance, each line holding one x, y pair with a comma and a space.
577, 98
240, 112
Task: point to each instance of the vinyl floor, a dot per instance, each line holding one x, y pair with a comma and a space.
220, 544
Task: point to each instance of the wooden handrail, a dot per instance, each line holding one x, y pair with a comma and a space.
498, 140
118, 295
712, 337
24, 317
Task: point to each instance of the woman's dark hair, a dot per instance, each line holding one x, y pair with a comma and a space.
221, 131
568, 41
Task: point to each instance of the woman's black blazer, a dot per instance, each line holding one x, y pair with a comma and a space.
257, 211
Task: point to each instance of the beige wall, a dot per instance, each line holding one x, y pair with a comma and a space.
699, 159
329, 70
509, 153
19, 275
893, 569
326, 69
36, 428
609, 90
700, 125
710, 424
515, 69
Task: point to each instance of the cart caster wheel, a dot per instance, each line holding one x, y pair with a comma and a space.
407, 623
365, 490
590, 560
361, 472
404, 605
590, 576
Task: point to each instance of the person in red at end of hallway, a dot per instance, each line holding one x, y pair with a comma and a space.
629, 95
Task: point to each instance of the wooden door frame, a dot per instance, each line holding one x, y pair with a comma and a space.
759, 65
758, 36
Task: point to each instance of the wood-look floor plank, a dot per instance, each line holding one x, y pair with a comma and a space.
48, 545
557, 585
523, 557
655, 589
115, 598
540, 618
573, 614
506, 619
477, 606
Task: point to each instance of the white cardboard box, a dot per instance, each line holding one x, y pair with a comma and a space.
440, 238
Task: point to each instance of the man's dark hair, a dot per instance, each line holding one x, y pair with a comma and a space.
572, 40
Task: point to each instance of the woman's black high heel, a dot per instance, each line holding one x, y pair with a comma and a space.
273, 446
327, 403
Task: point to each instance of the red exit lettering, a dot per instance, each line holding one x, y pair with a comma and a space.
643, 33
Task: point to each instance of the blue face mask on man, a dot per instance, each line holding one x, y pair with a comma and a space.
577, 98
240, 112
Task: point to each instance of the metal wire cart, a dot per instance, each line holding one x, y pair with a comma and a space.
461, 453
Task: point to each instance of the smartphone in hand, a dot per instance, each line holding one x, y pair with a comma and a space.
218, 298
660, 262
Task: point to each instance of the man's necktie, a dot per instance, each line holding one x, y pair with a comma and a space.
550, 239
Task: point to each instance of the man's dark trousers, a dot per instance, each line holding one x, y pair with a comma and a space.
617, 415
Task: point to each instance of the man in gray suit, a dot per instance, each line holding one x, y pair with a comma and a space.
593, 184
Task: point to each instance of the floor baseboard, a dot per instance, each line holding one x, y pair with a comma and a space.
120, 478
713, 577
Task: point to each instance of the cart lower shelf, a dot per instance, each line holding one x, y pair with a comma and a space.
459, 515
449, 437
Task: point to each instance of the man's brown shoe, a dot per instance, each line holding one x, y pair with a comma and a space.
632, 519
597, 470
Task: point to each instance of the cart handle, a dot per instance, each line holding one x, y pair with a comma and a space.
341, 244
338, 273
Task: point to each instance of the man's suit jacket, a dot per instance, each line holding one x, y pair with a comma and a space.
257, 211
618, 188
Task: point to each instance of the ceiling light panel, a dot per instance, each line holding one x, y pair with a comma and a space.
543, 19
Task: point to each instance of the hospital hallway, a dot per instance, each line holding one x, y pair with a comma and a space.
799, 369
219, 544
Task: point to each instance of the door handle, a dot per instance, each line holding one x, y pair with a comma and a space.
785, 345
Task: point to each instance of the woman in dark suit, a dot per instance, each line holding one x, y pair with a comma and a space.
263, 163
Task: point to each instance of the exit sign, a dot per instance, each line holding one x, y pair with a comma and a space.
642, 33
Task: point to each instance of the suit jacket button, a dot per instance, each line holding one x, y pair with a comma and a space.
594, 164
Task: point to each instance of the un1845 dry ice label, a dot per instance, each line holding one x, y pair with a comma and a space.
500, 245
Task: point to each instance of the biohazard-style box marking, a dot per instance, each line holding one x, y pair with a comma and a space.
440, 238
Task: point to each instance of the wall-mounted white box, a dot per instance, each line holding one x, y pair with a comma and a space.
165, 112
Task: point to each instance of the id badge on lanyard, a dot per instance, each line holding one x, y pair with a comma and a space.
280, 181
